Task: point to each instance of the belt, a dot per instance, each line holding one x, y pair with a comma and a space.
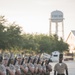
60, 74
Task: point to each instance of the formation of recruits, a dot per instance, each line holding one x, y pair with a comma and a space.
27, 65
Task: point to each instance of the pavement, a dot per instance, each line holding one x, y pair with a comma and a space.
70, 64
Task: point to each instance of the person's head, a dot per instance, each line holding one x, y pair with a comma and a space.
5, 60
60, 58
26, 59
12, 58
19, 57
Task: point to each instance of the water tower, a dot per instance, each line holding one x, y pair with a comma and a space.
56, 17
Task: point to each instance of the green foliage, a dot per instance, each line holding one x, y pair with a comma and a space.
2, 36
11, 37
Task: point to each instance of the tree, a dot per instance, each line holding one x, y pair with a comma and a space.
44, 44
2, 33
2, 36
52, 43
14, 36
29, 42
62, 46
11, 37
59, 45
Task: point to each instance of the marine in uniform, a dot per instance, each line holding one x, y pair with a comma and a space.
8, 63
44, 67
40, 68
36, 67
11, 65
5, 59
60, 68
2, 67
31, 66
48, 67
18, 64
25, 65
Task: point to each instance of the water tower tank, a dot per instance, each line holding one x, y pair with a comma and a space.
56, 16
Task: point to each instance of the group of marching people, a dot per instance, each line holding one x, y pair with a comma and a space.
24, 65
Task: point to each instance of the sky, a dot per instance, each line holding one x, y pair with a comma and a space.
33, 15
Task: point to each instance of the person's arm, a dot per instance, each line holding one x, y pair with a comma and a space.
54, 72
22, 68
66, 72
1, 73
10, 71
18, 72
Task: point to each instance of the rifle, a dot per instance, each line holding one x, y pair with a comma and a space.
23, 58
15, 61
34, 61
47, 68
38, 60
1, 58
22, 61
9, 61
48, 61
42, 63
29, 59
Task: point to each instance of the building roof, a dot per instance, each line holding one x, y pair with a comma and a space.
73, 31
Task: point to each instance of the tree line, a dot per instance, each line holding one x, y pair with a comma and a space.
12, 38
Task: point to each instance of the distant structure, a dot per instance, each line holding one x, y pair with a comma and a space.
71, 41
56, 17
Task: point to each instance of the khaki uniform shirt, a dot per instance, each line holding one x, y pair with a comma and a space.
17, 67
40, 68
12, 67
60, 68
3, 69
25, 66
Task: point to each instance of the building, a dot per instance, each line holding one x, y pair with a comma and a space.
71, 41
